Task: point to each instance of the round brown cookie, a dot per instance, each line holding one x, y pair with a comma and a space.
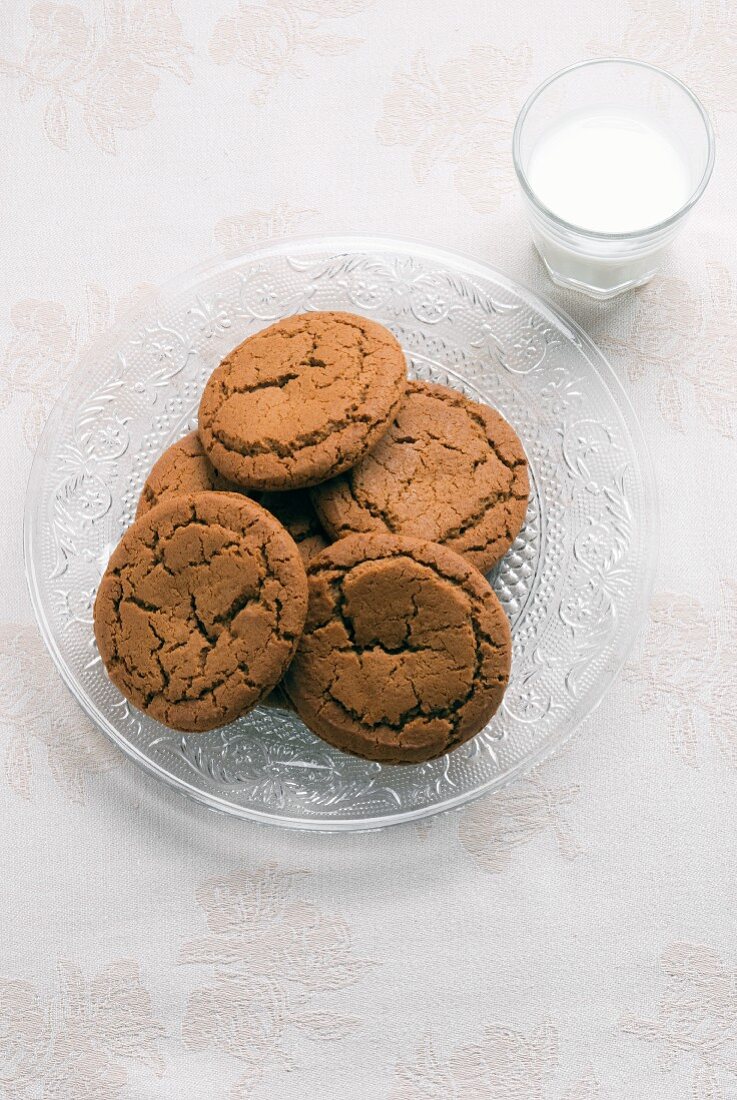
301, 401
449, 470
200, 609
405, 653
182, 468
295, 511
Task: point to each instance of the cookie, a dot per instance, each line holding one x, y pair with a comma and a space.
295, 511
182, 468
405, 653
301, 401
200, 609
449, 469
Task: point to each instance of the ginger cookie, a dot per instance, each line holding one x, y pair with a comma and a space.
449, 469
182, 468
295, 511
405, 653
301, 401
200, 609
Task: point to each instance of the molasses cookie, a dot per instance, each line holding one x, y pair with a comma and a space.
449, 470
182, 468
405, 653
200, 609
301, 401
295, 511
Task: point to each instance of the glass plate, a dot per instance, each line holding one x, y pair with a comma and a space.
575, 584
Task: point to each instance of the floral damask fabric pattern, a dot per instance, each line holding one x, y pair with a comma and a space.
104, 67
41, 348
686, 340
687, 669
281, 37
80, 1040
696, 41
46, 341
696, 1019
503, 1064
460, 113
492, 829
30, 720
242, 231
274, 960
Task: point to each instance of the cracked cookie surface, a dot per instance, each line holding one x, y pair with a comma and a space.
449, 469
295, 511
405, 653
200, 609
182, 468
302, 400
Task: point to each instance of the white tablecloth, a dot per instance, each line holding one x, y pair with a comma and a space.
572, 938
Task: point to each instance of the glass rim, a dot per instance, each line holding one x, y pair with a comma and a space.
595, 234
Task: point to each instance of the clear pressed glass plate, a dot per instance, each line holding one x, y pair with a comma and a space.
575, 584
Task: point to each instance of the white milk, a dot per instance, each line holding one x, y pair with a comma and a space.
606, 172
609, 173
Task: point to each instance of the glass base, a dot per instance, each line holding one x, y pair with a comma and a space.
568, 282
600, 278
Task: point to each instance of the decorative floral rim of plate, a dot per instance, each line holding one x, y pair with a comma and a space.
575, 585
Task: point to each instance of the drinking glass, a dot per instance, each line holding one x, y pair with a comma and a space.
603, 264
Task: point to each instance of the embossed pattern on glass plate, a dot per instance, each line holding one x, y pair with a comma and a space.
575, 584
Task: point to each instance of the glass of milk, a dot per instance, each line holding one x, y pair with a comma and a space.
611, 156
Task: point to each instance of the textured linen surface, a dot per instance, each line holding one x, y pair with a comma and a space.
572, 938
